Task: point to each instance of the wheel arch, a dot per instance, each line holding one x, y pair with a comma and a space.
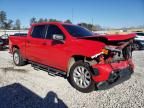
14, 47
72, 60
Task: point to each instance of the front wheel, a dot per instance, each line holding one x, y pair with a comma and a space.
18, 60
80, 77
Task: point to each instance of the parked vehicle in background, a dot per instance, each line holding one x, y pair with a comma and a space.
139, 41
4, 41
87, 60
20, 34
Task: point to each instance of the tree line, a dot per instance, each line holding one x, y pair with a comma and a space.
34, 20
6, 23
83, 24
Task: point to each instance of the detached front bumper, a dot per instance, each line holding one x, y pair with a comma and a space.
113, 72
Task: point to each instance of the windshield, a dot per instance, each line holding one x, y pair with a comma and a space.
77, 31
140, 34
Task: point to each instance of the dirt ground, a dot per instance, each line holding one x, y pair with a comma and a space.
24, 87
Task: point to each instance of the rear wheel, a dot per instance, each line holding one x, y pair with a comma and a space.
81, 78
17, 58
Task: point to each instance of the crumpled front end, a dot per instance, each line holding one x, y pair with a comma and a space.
111, 72
113, 63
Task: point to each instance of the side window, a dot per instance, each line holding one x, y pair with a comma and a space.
53, 29
39, 31
140, 34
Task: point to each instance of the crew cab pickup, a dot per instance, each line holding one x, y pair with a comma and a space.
87, 60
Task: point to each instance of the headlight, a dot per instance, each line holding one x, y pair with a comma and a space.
96, 55
104, 51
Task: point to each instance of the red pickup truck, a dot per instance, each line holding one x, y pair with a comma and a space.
87, 60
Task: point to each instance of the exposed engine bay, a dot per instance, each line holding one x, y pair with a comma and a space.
114, 51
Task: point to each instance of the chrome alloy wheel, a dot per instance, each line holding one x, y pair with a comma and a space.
82, 77
16, 58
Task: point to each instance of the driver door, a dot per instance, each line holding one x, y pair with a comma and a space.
55, 54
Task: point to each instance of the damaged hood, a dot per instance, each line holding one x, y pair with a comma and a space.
92, 45
86, 47
116, 37
120, 37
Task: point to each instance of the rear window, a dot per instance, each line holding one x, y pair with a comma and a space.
38, 31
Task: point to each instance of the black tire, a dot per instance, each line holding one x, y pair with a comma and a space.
136, 46
20, 61
91, 85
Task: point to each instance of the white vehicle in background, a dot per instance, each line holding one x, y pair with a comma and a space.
139, 41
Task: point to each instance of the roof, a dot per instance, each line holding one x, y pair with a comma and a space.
56, 23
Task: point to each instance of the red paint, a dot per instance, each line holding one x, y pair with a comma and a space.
106, 69
104, 72
120, 37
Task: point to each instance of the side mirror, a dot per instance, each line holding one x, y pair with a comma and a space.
58, 37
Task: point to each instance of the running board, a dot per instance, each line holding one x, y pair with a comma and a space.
51, 71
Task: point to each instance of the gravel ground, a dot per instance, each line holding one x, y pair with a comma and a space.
24, 87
